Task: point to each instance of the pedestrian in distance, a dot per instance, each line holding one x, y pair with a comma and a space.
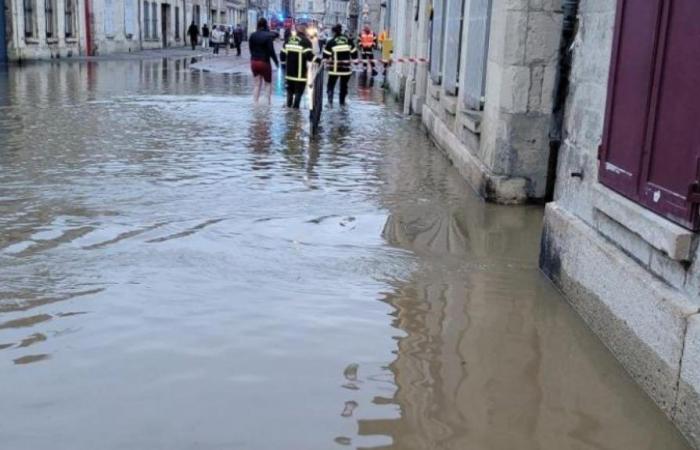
217, 38
338, 54
227, 40
262, 49
238, 39
298, 52
368, 42
205, 36
193, 33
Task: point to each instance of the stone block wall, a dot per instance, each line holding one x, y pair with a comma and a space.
631, 274
504, 150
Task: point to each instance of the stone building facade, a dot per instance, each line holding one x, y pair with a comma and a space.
520, 95
42, 29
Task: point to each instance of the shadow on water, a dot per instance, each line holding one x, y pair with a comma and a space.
183, 269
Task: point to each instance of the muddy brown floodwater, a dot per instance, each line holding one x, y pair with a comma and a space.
181, 270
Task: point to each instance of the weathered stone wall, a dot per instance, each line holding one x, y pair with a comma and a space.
632, 275
125, 34
503, 150
39, 46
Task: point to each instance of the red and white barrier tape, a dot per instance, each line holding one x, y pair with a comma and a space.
382, 61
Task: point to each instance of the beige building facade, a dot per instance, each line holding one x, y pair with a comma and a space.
44, 29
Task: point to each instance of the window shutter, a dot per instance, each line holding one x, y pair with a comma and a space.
651, 143
473, 81
436, 41
146, 20
130, 17
109, 17
453, 38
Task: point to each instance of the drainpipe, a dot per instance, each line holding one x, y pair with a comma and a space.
88, 28
569, 30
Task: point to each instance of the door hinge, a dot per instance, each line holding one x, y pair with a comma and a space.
600, 152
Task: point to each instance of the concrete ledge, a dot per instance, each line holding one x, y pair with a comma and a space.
687, 414
673, 240
642, 320
471, 120
449, 102
492, 187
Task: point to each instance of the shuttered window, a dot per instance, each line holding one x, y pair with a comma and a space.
454, 12
130, 17
29, 18
436, 40
69, 15
651, 143
109, 17
154, 20
146, 20
50, 18
177, 22
473, 81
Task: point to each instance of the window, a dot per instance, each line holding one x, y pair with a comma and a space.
473, 82
130, 18
154, 20
196, 11
177, 22
69, 18
437, 36
146, 20
109, 17
50, 18
651, 143
29, 18
454, 13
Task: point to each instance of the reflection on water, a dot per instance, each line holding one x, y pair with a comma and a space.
183, 270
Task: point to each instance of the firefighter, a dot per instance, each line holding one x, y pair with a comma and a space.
339, 51
297, 52
368, 42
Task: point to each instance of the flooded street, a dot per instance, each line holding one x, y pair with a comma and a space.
182, 270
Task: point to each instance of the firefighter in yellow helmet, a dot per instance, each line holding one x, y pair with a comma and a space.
297, 52
339, 52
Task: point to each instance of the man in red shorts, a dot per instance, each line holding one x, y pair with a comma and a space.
262, 50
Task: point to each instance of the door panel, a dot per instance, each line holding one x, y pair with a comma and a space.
631, 76
674, 141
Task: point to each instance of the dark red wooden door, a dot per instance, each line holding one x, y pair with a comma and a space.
651, 144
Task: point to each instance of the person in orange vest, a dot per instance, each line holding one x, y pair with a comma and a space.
382, 37
368, 42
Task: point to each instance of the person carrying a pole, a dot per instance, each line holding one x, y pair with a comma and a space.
339, 53
368, 42
297, 53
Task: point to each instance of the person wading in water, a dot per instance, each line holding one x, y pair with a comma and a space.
262, 50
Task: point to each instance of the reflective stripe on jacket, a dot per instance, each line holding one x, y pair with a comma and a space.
340, 51
298, 52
